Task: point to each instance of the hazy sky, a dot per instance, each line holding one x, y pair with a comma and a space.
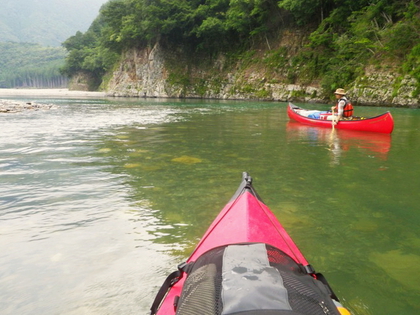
48, 22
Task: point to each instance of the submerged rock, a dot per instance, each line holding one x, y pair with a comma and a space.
399, 266
185, 159
11, 106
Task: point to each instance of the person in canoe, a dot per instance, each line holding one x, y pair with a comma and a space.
343, 108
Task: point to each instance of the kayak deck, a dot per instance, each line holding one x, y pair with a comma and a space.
247, 219
242, 230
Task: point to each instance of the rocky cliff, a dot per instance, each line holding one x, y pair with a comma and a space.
161, 72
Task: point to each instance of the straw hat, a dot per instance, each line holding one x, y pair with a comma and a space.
340, 92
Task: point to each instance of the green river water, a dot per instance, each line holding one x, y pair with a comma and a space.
100, 199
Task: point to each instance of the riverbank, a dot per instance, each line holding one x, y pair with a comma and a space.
49, 93
14, 106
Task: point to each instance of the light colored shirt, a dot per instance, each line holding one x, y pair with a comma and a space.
340, 106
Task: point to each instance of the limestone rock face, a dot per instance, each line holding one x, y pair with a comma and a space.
80, 82
141, 74
382, 88
154, 72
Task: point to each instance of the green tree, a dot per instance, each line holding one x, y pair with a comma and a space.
86, 54
345, 34
31, 65
307, 11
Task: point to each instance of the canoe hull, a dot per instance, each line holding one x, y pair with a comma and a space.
383, 123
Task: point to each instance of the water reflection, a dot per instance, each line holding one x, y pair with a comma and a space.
340, 141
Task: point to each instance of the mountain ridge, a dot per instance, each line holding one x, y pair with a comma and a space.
45, 23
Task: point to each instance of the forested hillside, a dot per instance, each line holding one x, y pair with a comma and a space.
31, 33
31, 65
342, 37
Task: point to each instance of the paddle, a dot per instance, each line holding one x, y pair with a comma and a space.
332, 135
334, 145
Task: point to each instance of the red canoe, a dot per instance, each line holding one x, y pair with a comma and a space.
383, 123
243, 226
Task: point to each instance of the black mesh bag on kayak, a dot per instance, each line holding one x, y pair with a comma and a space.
252, 279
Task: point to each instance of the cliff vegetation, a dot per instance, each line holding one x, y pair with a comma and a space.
256, 49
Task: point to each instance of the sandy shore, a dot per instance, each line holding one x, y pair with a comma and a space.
49, 92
